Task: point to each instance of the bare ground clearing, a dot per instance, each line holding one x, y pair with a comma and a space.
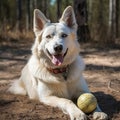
102, 74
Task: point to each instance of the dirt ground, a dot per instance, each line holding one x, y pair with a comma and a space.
102, 74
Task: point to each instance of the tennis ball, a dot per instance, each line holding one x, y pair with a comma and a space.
87, 102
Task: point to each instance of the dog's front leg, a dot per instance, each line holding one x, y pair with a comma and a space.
66, 105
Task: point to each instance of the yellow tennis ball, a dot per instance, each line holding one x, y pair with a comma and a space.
87, 102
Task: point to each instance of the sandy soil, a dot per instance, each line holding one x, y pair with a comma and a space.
102, 74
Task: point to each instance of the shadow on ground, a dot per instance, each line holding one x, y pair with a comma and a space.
108, 103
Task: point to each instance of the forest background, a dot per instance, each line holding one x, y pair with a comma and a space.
98, 20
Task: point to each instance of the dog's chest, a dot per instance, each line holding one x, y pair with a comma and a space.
64, 90
59, 90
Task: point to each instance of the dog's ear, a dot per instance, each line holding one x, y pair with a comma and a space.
39, 21
68, 17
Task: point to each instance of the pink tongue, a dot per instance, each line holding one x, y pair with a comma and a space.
57, 59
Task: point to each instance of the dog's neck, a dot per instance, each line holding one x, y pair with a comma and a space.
62, 70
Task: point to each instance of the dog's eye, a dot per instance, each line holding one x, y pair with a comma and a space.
64, 35
48, 36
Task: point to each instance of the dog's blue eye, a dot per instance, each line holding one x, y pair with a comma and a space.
48, 36
64, 35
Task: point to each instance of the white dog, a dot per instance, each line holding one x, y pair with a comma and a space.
53, 75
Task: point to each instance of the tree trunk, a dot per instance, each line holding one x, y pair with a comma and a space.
28, 15
80, 7
19, 15
90, 2
117, 17
35, 3
101, 31
44, 6
112, 21
58, 9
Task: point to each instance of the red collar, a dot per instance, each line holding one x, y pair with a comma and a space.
58, 70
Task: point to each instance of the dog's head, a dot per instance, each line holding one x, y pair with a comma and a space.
56, 43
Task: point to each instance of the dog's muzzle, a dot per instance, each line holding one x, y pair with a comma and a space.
58, 58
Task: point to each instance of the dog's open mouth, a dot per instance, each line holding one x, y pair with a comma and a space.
57, 59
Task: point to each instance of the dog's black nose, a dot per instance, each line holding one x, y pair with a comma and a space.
58, 48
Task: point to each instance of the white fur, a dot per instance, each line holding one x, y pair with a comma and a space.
52, 89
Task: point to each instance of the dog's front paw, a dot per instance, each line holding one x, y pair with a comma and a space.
78, 115
100, 116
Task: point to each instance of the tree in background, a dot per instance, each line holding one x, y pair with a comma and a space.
80, 8
98, 20
113, 20
117, 17
19, 15
101, 26
35, 3
28, 15
59, 8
